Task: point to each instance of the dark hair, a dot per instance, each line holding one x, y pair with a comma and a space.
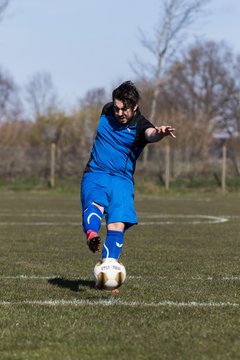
127, 93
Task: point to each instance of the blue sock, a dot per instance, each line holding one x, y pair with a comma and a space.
92, 218
112, 247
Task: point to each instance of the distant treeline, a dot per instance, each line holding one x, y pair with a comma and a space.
199, 96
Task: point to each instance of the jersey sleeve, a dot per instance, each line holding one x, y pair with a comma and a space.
108, 109
143, 125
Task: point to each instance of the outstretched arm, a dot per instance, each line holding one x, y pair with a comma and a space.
159, 132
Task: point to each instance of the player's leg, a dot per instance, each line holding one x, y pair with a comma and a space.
94, 199
113, 243
120, 216
92, 219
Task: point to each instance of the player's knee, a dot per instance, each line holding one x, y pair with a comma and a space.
92, 218
101, 208
117, 226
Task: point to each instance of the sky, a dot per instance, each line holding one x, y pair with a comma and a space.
87, 44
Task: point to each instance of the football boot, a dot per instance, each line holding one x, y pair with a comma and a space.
93, 241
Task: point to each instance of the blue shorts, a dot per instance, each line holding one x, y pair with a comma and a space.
114, 193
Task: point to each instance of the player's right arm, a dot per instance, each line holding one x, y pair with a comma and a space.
158, 133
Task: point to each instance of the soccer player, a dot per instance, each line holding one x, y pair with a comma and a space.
107, 188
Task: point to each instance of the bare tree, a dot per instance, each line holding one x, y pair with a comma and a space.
230, 120
176, 18
90, 108
10, 105
3, 6
41, 94
202, 92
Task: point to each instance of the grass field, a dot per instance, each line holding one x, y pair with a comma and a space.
181, 298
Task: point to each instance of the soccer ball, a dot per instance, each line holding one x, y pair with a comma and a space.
109, 274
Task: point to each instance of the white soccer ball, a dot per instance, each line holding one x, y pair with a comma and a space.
109, 274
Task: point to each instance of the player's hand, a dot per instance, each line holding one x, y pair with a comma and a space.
166, 130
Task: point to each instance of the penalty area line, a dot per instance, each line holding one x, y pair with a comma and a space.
115, 302
129, 277
157, 219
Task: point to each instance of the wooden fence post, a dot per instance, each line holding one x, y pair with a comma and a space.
53, 165
167, 166
224, 167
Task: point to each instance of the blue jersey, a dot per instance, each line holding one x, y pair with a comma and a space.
116, 146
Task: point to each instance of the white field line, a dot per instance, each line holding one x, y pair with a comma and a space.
46, 213
173, 219
129, 277
193, 219
115, 302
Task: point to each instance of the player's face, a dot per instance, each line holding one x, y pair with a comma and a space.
122, 113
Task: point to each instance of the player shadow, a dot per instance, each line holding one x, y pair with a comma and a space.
73, 285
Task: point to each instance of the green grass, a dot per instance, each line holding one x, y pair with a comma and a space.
38, 184
144, 184
182, 261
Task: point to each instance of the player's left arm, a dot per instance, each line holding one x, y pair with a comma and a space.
159, 132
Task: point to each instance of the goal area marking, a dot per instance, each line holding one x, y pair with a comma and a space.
146, 219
